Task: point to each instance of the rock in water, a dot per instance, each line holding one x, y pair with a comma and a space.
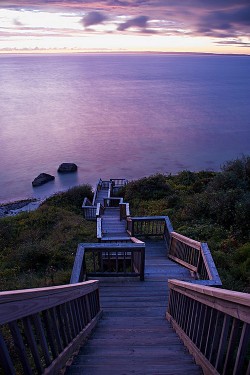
67, 168
43, 178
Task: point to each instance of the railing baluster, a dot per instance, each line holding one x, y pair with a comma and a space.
210, 333
65, 315
222, 344
40, 331
19, 344
5, 357
62, 325
71, 319
242, 350
32, 343
56, 329
228, 363
49, 332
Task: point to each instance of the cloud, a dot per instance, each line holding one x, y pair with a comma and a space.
16, 22
93, 18
218, 20
140, 21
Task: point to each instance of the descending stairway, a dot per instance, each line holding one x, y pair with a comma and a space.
101, 195
134, 337
113, 228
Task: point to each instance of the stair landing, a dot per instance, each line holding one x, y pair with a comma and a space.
134, 337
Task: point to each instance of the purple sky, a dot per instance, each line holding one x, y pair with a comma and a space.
221, 26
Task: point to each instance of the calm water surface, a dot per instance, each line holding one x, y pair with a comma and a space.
118, 116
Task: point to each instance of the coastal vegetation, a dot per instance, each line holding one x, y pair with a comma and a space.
206, 206
38, 248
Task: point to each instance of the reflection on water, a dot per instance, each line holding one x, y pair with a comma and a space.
118, 116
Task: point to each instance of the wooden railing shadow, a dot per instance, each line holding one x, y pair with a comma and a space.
41, 328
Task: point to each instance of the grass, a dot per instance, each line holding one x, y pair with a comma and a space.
206, 206
38, 248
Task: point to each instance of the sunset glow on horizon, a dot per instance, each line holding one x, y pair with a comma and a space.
125, 26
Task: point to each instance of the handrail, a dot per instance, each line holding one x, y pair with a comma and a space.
148, 225
99, 210
112, 201
86, 202
119, 181
124, 211
214, 325
99, 228
195, 256
89, 212
99, 259
187, 252
110, 189
98, 186
46, 325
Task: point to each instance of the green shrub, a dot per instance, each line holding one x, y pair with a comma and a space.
38, 248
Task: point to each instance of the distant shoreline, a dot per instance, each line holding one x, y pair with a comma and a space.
16, 207
72, 52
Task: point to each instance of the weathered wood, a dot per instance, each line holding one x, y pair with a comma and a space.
188, 241
62, 358
5, 357
44, 322
20, 346
133, 336
212, 335
32, 343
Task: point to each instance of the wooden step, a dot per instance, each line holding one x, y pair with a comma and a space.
133, 337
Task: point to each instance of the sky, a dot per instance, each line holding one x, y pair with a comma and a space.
203, 26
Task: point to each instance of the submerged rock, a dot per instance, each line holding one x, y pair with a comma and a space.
67, 168
43, 178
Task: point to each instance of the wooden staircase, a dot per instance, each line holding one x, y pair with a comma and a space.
113, 228
144, 289
134, 336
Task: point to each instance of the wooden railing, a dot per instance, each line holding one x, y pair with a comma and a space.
99, 228
150, 226
98, 187
214, 325
189, 253
112, 202
196, 257
99, 210
41, 328
94, 260
124, 211
89, 211
117, 184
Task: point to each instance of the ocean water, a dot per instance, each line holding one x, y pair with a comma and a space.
118, 116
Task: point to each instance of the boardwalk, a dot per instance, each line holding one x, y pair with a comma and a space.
113, 228
133, 336
47, 325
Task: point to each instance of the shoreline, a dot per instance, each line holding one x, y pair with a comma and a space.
17, 207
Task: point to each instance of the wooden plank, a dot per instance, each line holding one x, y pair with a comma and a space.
200, 359
61, 360
20, 303
5, 357
186, 240
19, 345
40, 332
182, 263
32, 344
